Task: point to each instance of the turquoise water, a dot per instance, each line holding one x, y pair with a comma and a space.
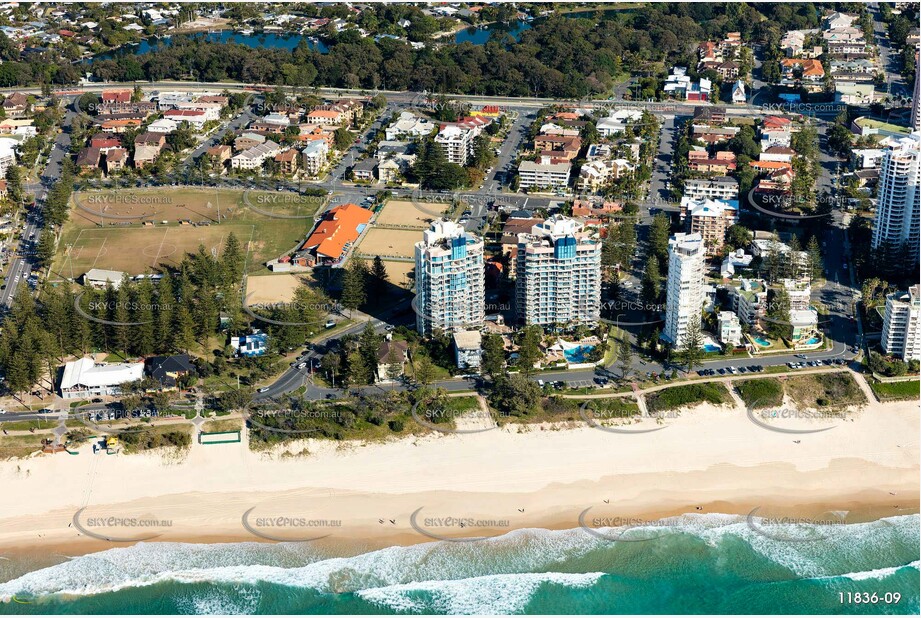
578, 354
709, 347
697, 564
764, 343
813, 341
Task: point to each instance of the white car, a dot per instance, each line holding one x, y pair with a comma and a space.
263, 389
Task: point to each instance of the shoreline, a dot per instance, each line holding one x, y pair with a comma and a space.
709, 460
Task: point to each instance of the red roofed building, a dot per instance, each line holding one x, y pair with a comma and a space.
116, 96
331, 238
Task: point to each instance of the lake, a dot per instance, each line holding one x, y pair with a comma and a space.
480, 35
267, 40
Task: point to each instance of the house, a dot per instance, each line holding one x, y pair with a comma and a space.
804, 325
18, 126
118, 125
248, 140
838, 20
167, 370
219, 154
391, 354
363, 171
738, 92
314, 156
195, 118
85, 378
710, 219
736, 259
255, 344
100, 279
617, 122
730, 328
468, 348
287, 161
325, 116
15, 105
150, 139
679, 85
776, 131
105, 142
88, 160
115, 159
4, 192
334, 234
800, 72
409, 125
853, 93
793, 43
145, 155
163, 125
777, 153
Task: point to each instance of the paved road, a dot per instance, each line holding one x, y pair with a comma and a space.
21, 266
890, 59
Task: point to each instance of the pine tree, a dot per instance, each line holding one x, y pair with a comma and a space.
816, 265
166, 306
691, 349
493, 360
144, 332
424, 371
233, 260
651, 285
624, 354
354, 293
529, 349
379, 276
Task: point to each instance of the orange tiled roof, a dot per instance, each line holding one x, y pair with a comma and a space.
338, 227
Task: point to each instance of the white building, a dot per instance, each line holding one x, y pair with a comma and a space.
738, 92
99, 278
594, 175
457, 143
410, 126
8, 148
716, 188
898, 205
314, 156
450, 279
685, 286
85, 378
252, 158
618, 121
163, 125
468, 348
902, 324
543, 175
558, 274
730, 328
736, 259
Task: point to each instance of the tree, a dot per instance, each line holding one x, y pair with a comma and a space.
343, 139
424, 370
816, 264
379, 277
14, 184
45, 249
624, 354
777, 314
651, 284
394, 361
737, 237
330, 364
659, 232
493, 360
691, 350
354, 283
529, 349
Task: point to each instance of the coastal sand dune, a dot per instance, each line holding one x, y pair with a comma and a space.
709, 459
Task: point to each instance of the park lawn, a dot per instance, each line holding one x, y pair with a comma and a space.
760, 393
687, 395
825, 390
896, 391
27, 425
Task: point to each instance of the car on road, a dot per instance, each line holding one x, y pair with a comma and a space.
301, 365
263, 389
799, 356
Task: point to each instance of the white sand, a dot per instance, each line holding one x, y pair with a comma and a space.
710, 456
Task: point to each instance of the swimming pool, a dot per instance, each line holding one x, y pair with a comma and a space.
709, 347
813, 341
578, 354
764, 343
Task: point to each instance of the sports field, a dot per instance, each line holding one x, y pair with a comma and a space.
262, 289
401, 274
388, 242
138, 231
399, 212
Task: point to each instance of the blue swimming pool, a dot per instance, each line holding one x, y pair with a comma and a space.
764, 343
813, 341
578, 354
709, 347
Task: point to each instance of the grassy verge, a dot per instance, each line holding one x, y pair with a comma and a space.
687, 395
139, 438
227, 424
896, 391
760, 393
827, 390
22, 445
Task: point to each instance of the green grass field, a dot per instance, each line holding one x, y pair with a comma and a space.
760, 393
142, 230
686, 395
894, 391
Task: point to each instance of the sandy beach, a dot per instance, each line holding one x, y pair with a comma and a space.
710, 460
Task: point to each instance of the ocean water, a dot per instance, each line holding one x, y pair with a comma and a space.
694, 564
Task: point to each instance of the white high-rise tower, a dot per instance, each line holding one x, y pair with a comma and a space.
684, 295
